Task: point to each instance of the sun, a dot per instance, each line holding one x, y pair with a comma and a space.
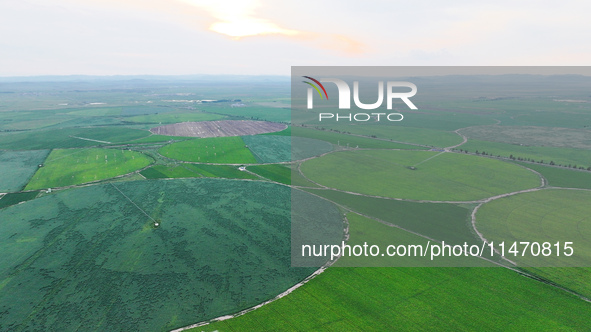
246, 26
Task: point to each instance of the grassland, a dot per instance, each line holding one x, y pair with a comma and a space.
195, 171
562, 177
388, 299
562, 156
351, 141
66, 167
275, 173
17, 167
69, 138
445, 177
93, 257
222, 150
552, 215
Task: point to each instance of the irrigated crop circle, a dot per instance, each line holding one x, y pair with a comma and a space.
418, 175
145, 255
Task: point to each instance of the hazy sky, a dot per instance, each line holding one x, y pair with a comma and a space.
109, 37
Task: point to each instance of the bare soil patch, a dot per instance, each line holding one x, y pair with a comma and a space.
218, 128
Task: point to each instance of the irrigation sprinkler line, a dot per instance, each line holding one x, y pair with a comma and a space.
256, 154
90, 139
442, 152
129, 199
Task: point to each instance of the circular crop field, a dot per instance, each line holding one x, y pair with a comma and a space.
418, 175
221, 128
542, 216
146, 255
546, 216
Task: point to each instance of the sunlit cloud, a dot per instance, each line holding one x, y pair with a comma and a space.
249, 27
236, 18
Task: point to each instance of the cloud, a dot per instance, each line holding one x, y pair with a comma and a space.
237, 19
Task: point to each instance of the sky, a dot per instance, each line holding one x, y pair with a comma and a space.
260, 37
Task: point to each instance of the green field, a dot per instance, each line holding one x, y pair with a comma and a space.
363, 230
160, 232
69, 138
552, 215
96, 111
17, 167
412, 135
277, 173
350, 141
445, 177
275, 149
165, 172
531, 136
442, 222
245, 150
562, 156
32, 124
450, 119
196, 171
15, 198
147, 109
284, 132
392, 299
413, 299
174, 117
157, 139
562, 177
76, 166
93, 257
297, 179
251, 112
217, 150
